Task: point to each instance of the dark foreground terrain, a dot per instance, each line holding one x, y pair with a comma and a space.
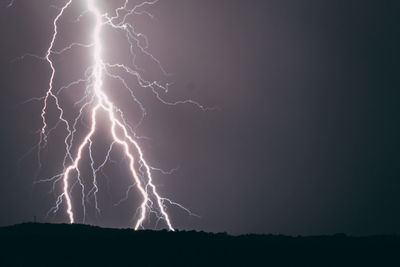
33, 244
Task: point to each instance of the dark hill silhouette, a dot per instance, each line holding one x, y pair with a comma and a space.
34, 244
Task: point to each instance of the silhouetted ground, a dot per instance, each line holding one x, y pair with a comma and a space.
33, 244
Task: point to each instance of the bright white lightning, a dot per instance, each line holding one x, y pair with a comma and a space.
96, 99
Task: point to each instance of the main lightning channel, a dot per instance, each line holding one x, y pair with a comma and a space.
104, 103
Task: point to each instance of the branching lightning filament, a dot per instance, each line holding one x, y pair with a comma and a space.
95, 101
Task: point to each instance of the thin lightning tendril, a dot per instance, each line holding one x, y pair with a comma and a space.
94, 100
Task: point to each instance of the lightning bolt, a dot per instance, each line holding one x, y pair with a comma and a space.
96, 100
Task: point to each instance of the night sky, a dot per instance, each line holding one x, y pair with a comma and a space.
304, 140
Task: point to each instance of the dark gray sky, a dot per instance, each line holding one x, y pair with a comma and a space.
305, 140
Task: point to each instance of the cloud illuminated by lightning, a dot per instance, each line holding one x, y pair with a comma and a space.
96, 100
